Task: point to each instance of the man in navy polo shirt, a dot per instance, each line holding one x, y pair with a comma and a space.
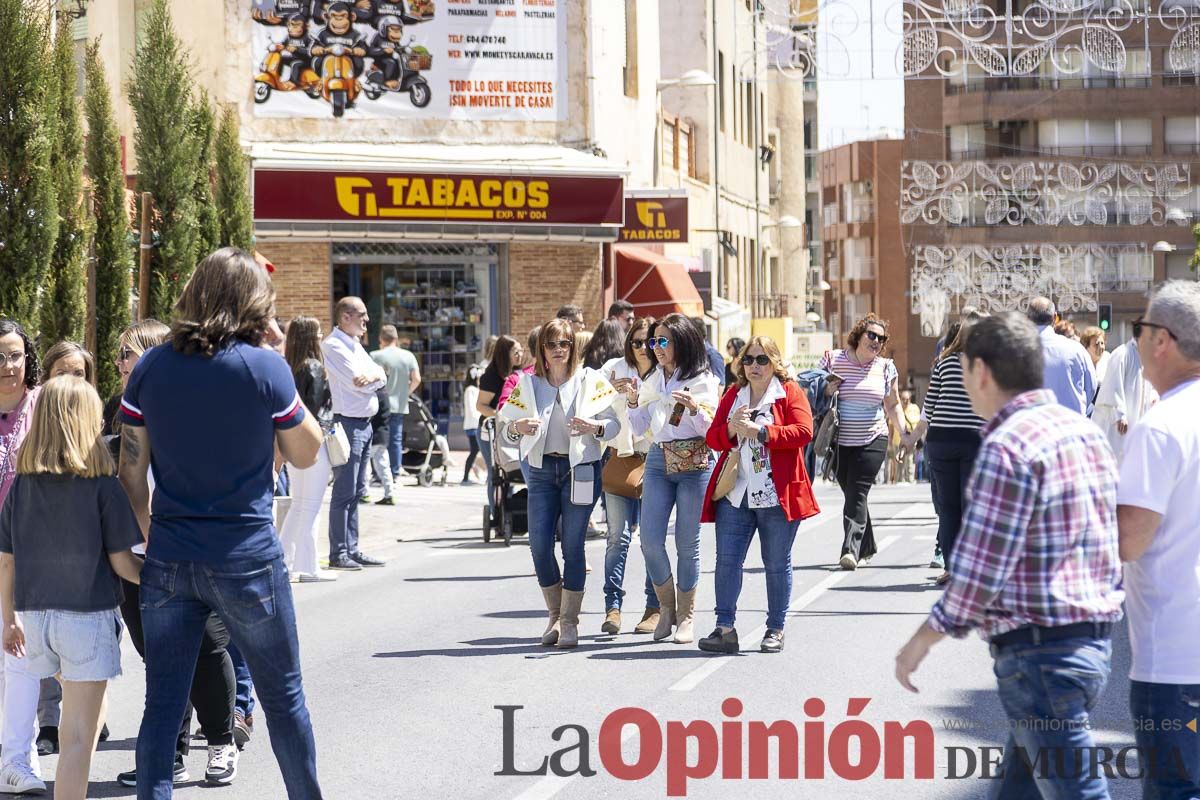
205, 411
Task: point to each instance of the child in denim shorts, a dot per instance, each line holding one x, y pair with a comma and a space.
66, 529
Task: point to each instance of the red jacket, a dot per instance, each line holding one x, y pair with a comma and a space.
786, 438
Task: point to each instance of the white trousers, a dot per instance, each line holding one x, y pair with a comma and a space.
299, 534
383, 467
20, 692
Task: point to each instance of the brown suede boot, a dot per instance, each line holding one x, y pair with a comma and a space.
612, 622
685, 605
568, 618
649, 621
553, 596
666, 611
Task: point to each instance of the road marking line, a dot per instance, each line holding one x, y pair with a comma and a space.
698, 675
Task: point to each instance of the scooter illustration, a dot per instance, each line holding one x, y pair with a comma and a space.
339, 84
397, 65
271, 78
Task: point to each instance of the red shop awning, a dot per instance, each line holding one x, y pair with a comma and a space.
654, 284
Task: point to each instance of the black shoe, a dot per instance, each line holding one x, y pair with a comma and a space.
387, 501
345, 562
181, 774
104, 734
243, 727
719, 642
364, 499
366, 560
47, 740
772, 642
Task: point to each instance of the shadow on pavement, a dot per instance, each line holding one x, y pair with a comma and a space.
469, 578
587, 645
897, 587
118, 744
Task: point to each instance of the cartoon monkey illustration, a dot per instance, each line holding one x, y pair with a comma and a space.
386, 51
295, 53
283, 11
339, 29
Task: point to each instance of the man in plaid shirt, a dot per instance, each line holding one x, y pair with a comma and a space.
1036, 568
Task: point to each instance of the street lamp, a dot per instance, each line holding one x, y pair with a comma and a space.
786, 221
824, 285
1164, 247
1178, 215
693, 77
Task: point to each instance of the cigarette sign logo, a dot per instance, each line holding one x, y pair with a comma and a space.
655, 220
650, 214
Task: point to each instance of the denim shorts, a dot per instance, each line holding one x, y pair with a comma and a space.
81, 645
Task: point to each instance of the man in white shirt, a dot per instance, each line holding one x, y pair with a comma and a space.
1158, 513
353, 380
1124, 396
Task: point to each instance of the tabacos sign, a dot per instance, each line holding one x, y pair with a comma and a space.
655, 217
337, 196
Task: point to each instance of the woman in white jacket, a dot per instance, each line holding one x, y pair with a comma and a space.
560, 414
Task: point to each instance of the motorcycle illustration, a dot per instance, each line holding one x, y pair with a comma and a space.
271, 78
397, 68
339, 84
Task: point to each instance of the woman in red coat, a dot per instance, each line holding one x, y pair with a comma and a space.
764, 422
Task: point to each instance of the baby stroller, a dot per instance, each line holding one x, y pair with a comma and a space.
422, 454
509, 511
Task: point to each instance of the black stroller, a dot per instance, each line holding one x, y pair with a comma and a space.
509, 511
422, 455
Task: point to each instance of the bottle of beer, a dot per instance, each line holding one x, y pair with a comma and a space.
677, 412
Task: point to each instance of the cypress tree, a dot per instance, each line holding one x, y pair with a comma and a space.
64, 299
28, 213
233, 185
167, 153
114, 257
203, 125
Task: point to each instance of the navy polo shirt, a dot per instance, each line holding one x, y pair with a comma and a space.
211, 424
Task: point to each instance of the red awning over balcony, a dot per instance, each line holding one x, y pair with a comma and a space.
654, 284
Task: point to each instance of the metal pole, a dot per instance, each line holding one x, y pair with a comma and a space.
144, 258
89, 330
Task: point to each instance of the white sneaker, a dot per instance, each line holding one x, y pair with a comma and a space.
222, 764
18, 778
320, 576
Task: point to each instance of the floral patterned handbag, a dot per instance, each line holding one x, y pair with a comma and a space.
687, 455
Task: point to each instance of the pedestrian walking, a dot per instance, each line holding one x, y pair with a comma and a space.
559, 416
507, 358
470, 397
1124, 396
403, 378
574, 315
622, 313
1068, 368
66, 530
626, 373
1095, 342
1158, 506
354, 381
901, 451
759, 431
1036, 567
381, 447
952, 433
299, 534
212, 541
674, 407
20, 771
867, 400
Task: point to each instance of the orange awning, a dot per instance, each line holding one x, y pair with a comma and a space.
654, 284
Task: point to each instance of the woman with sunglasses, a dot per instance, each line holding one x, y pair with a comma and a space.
561, 449
626, 373
674, 408
764, 423
132, 344
867, 400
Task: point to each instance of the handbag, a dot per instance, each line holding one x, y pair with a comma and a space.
623, 475
727, 479
825, 445
337, 446
686, 455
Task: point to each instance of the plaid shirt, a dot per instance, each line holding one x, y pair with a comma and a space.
1039, 537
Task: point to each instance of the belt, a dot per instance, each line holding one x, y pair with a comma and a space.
1037, 634
357, 419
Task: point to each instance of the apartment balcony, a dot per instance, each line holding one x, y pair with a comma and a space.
1097, 150
769, 306
861, 212
1051, 83
1183, 148
833, 270
860, 268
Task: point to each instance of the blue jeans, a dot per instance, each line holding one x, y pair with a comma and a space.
1160, 711
735, 529
1047, 691
550, 500
254, 601
349, 482
684, 492
621, 519
244, 701
485, 449
395, 442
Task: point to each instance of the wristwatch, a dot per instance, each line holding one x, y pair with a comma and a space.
599, 430
762, 435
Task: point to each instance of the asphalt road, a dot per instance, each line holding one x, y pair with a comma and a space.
404, 668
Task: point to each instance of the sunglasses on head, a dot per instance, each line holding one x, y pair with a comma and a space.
565, 344
762, 361
659, 343
1140, 324
877, 337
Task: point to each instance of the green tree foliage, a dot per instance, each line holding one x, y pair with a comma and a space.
1194, 261
28, 212
167, 154
233, 185
203, 123
64, 298
114, 257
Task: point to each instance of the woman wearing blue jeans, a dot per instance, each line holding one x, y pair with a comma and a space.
674, 408
764, 422
561, 452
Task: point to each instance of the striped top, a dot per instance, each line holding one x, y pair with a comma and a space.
947, 404
860, 399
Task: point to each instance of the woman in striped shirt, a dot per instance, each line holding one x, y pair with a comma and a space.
952, 438
867, 399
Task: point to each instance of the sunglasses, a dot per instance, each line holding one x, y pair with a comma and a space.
636, 343
563, 345
762, 361
660, 343
1139, 324
124, 353
877, 337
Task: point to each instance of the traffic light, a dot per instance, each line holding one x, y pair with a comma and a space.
1105, 316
